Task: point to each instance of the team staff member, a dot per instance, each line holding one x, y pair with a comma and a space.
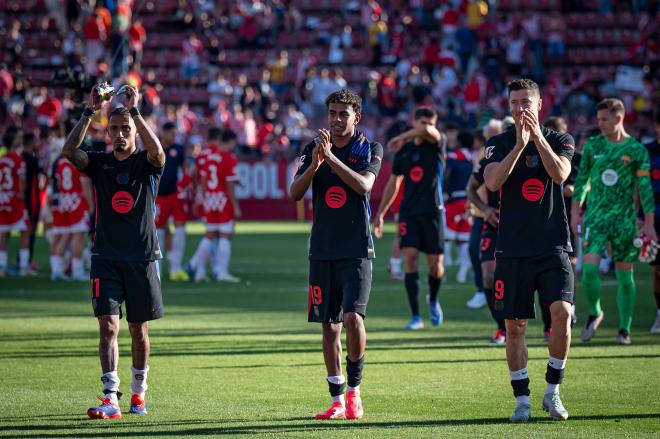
528, 166
125, 252
341, 165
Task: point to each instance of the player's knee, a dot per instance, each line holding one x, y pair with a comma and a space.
352, 320
331, 330
138, 330
515, 329
560, 312
108, 328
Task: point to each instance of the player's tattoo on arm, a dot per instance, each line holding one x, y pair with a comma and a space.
71, 150
155, 152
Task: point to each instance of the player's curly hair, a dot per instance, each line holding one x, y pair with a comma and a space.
347, 97
523, 84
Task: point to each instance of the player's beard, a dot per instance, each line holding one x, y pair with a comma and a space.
121, 147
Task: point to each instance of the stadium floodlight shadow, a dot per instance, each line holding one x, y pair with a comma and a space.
289, 425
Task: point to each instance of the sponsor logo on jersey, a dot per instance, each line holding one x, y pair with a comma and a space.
533, 189
416, 174
335, 197
609, 177
532, 161
122, 202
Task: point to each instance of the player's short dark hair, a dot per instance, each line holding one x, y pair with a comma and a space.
346, 97
523, 84
425, 112
478, 135
453, 126
214, 133
168, 126
118, 111
228, 136
465, 139
613, 105
28, 138
9, 136
555, 123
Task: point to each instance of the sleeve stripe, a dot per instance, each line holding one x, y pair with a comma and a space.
643, 173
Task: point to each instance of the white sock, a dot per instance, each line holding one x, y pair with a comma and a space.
111, 382
337, 379
178, 248
3, 259
139, 381
551, 388
395, 265
518, 374
523, 399
224, 254
23, 258
556, 363
56, 265
77, 267
464, 254
202, 255
448, 258
355, 389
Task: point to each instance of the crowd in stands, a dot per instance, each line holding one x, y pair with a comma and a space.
264, 67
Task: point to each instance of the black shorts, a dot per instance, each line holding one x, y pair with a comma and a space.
516, 279
487, 244
136, 282
423, 232
338, 287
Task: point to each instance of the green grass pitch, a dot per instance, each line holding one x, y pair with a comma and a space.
241, 360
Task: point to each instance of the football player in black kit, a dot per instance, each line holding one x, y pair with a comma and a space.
341, 165
418, 162
125, 250
528, 165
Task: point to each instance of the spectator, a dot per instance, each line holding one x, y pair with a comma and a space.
278, 73
138, 37
49, 111
191, 49
95, 38
378, 38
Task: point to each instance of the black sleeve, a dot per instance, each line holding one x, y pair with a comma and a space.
564, 145
495, 150
478, 172
151, 169
376, 158
92, 164
305, 158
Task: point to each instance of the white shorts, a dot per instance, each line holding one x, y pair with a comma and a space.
227, 227
81, 226
19, 226
452, 235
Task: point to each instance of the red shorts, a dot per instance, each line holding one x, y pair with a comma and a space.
170, 206
456, 221
13, 216
217, 208
70, 222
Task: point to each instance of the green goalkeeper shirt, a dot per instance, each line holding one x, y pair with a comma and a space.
610, 174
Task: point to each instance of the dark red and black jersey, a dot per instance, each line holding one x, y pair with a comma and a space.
340, 229
125, 196
422, 168
533, 218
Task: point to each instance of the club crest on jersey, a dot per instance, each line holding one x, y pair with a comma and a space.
489, 152
625, 158
532, 161
609, 177
122, 178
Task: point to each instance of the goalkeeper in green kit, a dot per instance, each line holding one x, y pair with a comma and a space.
614, 167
